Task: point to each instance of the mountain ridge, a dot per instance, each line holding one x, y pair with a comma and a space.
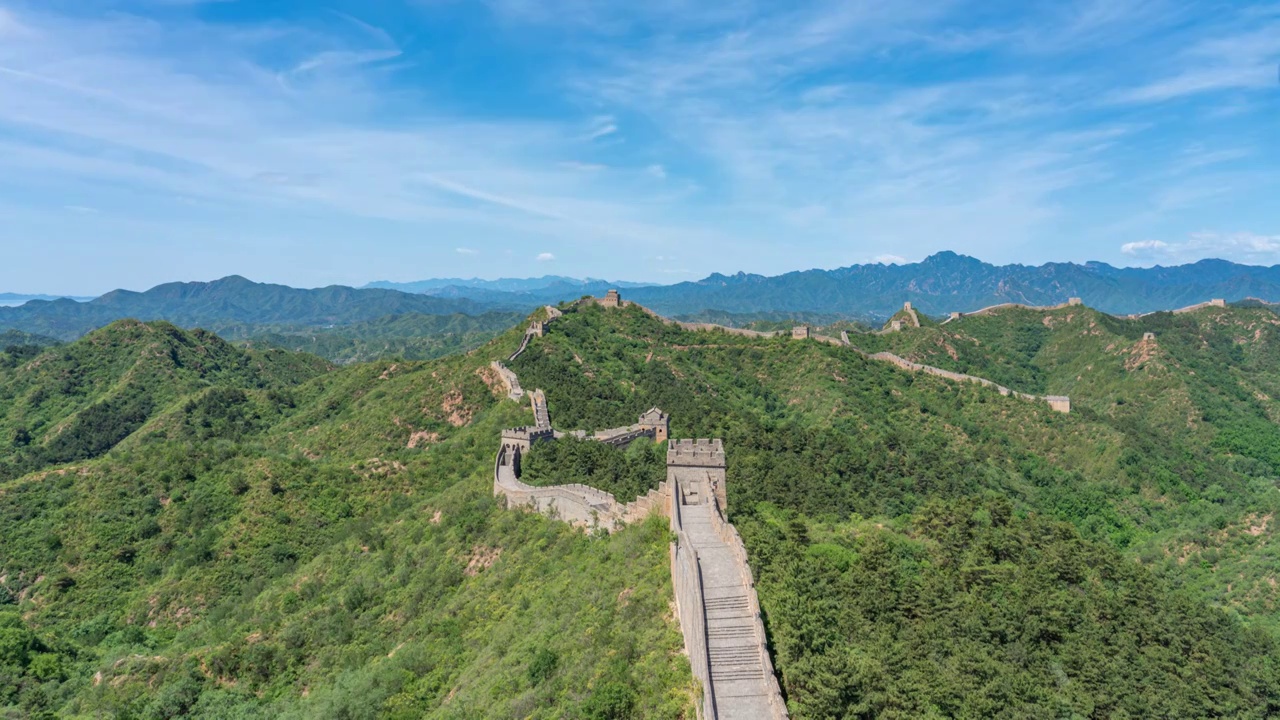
233, 299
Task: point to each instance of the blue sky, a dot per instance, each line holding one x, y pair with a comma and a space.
319, 142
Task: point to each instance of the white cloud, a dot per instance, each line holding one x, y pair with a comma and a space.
465, 251
890, 259
1242, 247
1143, 247
545, 257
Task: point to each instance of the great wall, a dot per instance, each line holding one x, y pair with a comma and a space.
716, 600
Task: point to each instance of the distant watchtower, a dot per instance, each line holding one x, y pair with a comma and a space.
698, 467
800, 332
611, 299
657, 421
1075, 301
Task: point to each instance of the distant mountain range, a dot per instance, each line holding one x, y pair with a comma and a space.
947, 282
229, 301
446, 286
14, 299
942, 283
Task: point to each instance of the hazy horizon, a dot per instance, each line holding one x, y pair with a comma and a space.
84, 296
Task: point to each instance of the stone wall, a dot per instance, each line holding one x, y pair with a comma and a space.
1002, 306
686, 580
577, 504
1056, 402
524, 343
1216, 302
509, 381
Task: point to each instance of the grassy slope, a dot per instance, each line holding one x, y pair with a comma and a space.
309, 563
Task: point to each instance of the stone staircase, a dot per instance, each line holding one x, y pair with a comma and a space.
739, 682
541, 416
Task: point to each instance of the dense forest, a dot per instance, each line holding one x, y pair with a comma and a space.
194, 529
404, 337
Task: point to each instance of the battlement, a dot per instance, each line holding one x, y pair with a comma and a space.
700, 453
611, 299
526, 435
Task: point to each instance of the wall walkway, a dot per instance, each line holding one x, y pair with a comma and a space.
739, 682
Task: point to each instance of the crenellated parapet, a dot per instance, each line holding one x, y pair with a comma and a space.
698, 468
696, 453
520, 439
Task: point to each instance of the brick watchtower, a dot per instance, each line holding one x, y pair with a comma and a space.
698, 466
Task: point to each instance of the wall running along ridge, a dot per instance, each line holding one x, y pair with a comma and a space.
720, 620
1059, 403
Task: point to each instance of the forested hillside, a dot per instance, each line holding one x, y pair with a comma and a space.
277, 537
409, 337
926, 548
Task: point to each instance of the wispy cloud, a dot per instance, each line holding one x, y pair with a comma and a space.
582, 166
465, 251
9, 25
602, 126
545, 257
1239, 59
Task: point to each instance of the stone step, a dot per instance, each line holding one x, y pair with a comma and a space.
740, 671
726, 602
739, 654
728, 632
